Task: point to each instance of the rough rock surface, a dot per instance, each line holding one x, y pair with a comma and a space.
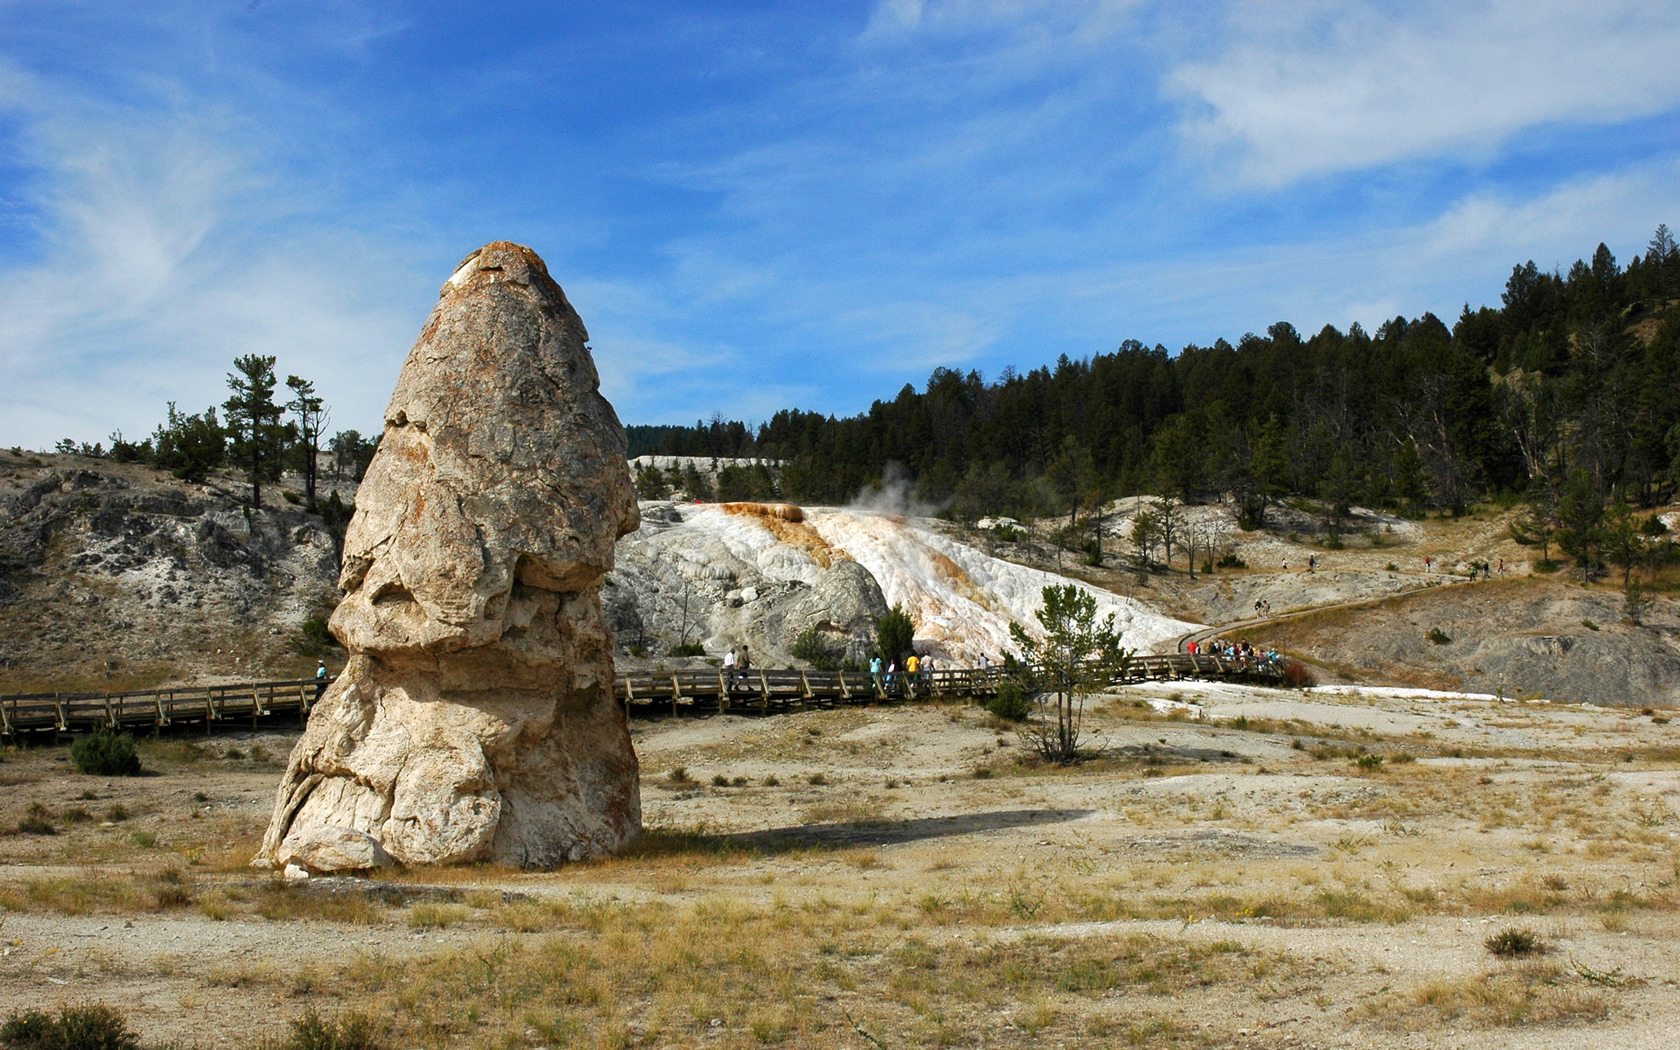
475, 718
673, 585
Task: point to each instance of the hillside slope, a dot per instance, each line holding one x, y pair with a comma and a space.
118, 574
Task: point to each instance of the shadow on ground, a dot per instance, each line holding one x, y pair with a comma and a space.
847, 834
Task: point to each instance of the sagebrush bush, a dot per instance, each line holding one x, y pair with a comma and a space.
352, 1031
1515, 943
37, 821
1010, 703
107, 753
82, 1027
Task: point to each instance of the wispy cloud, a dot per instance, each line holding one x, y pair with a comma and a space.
164, 252
1310, 88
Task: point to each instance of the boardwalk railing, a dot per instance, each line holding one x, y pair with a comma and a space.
713, 690
641, 692
177, 705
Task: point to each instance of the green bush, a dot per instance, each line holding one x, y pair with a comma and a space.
1010, 702
107, 753
352, 1031
313, 638
688, 649
1438, 636
85, 1027
813, 648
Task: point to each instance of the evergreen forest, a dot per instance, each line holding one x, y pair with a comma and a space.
1570, 388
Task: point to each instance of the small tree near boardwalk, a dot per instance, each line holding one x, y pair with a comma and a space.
107, 753
1076, 656
895, 634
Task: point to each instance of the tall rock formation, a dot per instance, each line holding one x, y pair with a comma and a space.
475, 718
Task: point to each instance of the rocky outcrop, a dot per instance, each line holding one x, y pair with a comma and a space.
763, 584
475, 718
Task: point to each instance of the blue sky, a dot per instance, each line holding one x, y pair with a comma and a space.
787, 204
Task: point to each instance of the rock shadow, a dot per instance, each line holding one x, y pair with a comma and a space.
850, 834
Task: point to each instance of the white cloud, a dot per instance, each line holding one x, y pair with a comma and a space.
1304, 89
164, 252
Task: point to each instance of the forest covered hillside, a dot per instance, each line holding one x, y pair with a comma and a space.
1571, 377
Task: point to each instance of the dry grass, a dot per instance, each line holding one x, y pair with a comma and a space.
812, 974
1531, 993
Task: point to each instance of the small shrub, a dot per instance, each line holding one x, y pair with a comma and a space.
1010, 703
116, 813
1369, 762
719, 780
816, 779
1297, 675
107, 753
313, 638
688, 649
84, 1027
352, 1031
1438, 636
1231, 561
815, 650
37, 821
1589, 625
680, 775
1516, 943
1391, 567
771, 781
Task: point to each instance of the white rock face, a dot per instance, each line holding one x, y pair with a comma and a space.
475, 717
837, 569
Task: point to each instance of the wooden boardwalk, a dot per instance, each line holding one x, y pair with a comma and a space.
643, 693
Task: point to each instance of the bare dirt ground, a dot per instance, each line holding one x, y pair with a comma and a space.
1229, 874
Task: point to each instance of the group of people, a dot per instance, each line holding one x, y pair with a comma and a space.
1242, 653
1483, 569
735, 666
916, 670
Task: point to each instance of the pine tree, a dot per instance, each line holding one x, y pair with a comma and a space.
253, 421
311, 419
